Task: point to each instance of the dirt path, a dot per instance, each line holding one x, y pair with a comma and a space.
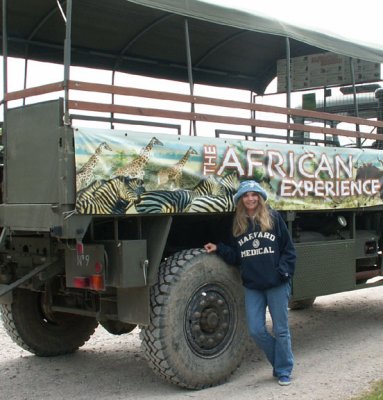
337, 346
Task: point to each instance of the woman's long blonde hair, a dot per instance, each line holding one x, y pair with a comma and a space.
262, 217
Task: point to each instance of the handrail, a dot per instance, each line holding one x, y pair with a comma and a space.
194, 116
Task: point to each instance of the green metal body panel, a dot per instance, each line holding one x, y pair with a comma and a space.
39, 172
39, 168
127, 261
39, 156
324, 268
83, 264
32, 179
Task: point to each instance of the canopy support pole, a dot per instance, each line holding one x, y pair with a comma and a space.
352, 68
67, 59
193, 126
5, 102
113, 99
5, 53
288, 84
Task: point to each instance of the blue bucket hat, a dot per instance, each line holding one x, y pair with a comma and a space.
249, 186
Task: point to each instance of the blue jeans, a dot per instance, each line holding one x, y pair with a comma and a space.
277, 347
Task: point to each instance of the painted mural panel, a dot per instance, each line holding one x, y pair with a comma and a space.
126, 172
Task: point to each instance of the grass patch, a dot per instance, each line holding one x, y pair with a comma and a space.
376, 392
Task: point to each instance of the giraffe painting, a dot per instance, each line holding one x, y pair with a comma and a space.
173, 175
135, 168
85, 175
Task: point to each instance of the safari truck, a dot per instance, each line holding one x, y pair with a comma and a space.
111, 189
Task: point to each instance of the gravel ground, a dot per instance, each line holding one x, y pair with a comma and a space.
337, 347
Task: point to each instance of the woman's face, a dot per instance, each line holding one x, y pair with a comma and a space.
250, 201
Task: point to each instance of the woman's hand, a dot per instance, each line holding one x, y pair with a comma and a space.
210, 247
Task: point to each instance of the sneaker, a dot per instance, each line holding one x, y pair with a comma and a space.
284, 380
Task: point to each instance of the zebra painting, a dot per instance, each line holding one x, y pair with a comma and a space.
208, 186
222, 202
211, 204
164, 201
176, 201
230, 183
87, 192
113, 196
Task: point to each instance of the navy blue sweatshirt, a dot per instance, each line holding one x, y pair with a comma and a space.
266, 259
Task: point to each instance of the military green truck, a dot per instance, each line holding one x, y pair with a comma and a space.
110, 191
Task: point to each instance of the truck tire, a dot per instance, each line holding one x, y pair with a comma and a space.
197, 333
43, 335
301, 304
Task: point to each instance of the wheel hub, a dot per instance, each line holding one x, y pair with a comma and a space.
210, 320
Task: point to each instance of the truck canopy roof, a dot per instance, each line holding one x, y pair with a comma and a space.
229, 47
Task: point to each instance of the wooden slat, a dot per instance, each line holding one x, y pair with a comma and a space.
152, 94
35, 91
151, 112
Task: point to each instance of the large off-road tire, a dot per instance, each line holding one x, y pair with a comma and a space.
197, 333
39, 333
301, 304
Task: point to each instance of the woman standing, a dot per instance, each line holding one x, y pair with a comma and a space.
265, 252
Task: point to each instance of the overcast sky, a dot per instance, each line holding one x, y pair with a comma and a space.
361, 20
